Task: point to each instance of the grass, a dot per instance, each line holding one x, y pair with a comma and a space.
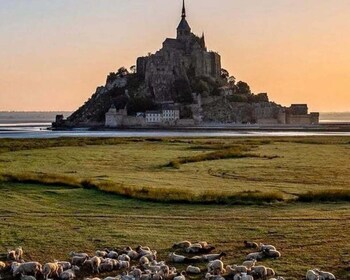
50, 221
325, 195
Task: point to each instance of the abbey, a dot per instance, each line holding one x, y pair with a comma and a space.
178, 59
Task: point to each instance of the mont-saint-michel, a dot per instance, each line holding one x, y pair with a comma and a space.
181, 85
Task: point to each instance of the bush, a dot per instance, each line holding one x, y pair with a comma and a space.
325, 196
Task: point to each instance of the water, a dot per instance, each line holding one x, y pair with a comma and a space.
36, 124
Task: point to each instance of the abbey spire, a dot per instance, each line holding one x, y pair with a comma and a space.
184, 29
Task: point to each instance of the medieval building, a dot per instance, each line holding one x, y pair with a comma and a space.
186, 55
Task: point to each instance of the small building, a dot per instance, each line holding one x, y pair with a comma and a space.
153, 117
170, 113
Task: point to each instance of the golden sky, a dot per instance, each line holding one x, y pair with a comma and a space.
53, 54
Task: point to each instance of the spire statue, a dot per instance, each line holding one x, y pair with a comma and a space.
183, 9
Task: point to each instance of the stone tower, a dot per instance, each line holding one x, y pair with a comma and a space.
184, 29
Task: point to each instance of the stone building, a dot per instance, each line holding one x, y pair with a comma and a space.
177, 58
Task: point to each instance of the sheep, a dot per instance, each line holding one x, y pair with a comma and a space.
244, 276
181, 276
152, 255
211, 257
28, 268
193, 269
252, 245
95, 278
255, 256
124, 257
194, 248
101, 254
106, 267
14, 266
51, 269
264, 247
79, 260
209, 276
11, 255
173, 257
270, 272
27, 277
249, 264
112, 255
123, 265
74, 254
94, 263
143, 250
2, 266
234, 269
259, 271
70, 273
325, 275
144, 261
312, 275
278, 278
133, 254
64, 265
182, 245
19, 253
111, 278
216, 267
269, 253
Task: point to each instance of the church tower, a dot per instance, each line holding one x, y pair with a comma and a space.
184, 29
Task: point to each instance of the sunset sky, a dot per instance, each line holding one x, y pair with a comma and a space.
54, 53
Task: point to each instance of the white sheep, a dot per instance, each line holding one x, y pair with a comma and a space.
74, 254
28, 268
19, 253
234, 269
182, 244
112, 255
124, 257
209, 276
181, 276
79, 260
133, 254
194, 248
27, 277
264, 247
270, 272
255, 256
259, 271
123, 265
193, 269
216, 267
14, 266
94, 263
249, 264
11, 255
270, 253
173, 257
325, 275
70, 273
144, 261
51, 269
312, 275
211, 257
65, 265
244, 276
2, 266
101, 254
112, 278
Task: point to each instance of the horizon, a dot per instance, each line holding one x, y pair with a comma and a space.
59, 52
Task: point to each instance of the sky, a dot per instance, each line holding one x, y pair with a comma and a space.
54, 53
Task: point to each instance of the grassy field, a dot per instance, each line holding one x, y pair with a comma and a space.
51, 200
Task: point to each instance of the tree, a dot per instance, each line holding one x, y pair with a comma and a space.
122, 72
243, 88
133, 69
232, 81
225, 74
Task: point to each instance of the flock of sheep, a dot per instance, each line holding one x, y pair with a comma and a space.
141, 264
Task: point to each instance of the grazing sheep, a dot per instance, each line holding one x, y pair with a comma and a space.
264, 247
173, 257
144, 261
312, 275
123, 265
27, 277
112, 255
31, 268
216, 267
181, 276
255, 256
79, 260
259, 271
94, 263
11, 255
182, 245
74, 254
106, 267
124, 257
193, 269
234, 269
248, 244
269, 253
212, 257
51, 269
209, 276
249, 264
19, 253
270, 272
2, 266
70, 273
64, 265
325, 275
101, 254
